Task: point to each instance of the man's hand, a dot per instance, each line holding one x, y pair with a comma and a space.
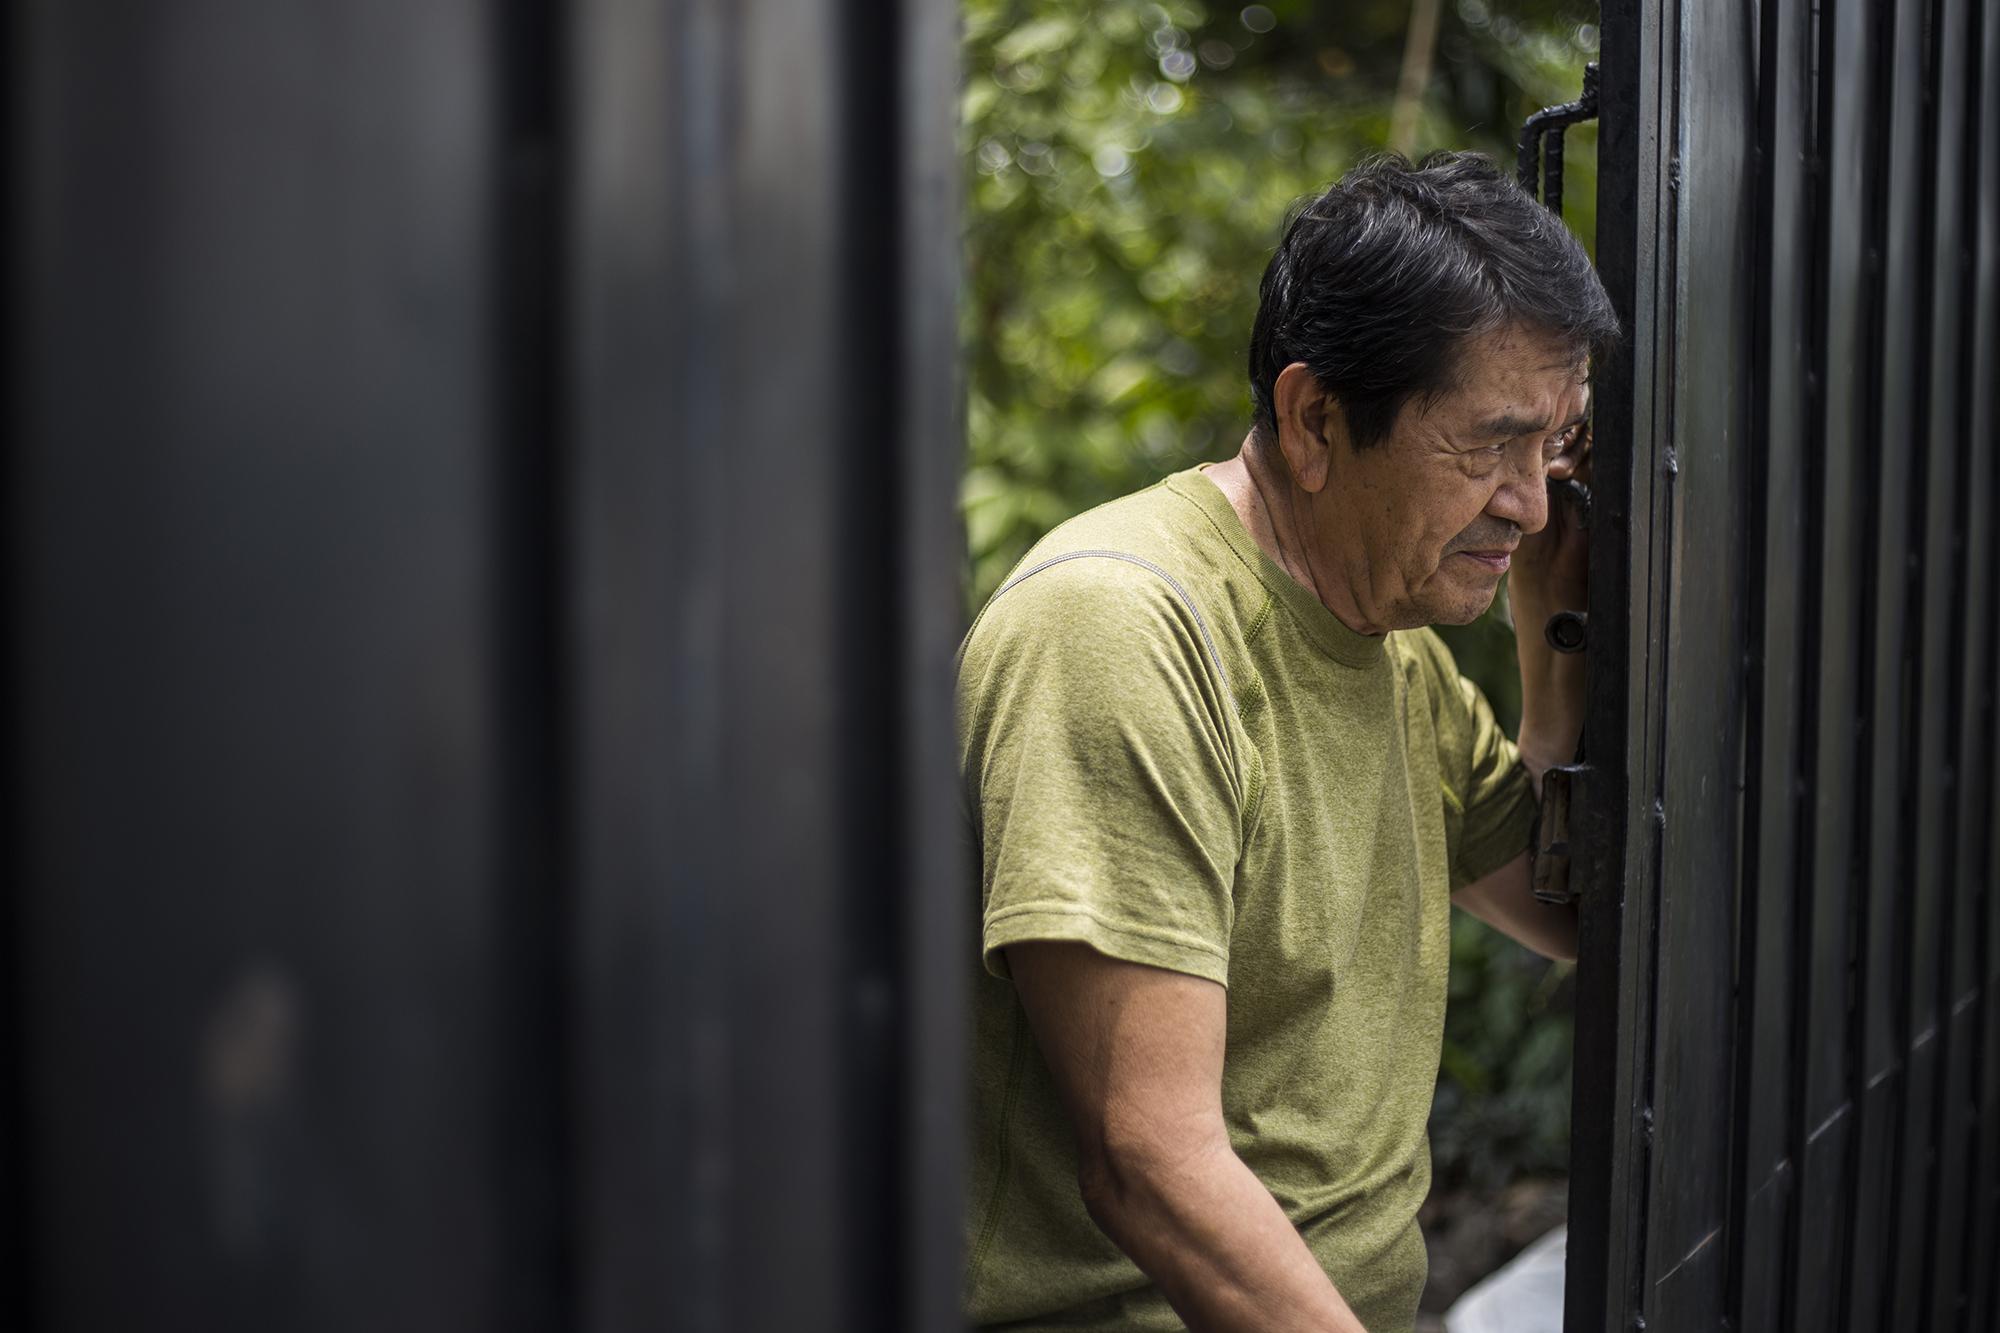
1551, 565
1550, 574
1136, 1053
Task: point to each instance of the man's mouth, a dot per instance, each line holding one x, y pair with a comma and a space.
1495, 560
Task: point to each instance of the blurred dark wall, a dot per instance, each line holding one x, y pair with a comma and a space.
481, 590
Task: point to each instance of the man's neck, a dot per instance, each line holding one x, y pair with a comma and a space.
1275, 513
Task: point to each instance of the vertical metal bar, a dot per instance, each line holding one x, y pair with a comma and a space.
268, 954
1968, 555
19, 1268
530, 554
1931, 865
648, 227
772, 919
786, 595
745, 797
1823, 1056
1613, 819
1710, 416
1983, 1206
937, 893
1883, 187
870, 480
1778, 710
900, 468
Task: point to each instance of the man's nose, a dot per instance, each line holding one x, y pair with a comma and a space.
1523, 499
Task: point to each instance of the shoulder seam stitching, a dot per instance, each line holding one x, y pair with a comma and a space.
1214, 657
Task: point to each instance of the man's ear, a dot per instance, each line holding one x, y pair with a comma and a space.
1309, 423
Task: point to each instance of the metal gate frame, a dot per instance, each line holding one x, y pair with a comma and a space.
1799, 221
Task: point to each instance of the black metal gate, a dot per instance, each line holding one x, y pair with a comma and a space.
482, 579
481, 585
1787, 1108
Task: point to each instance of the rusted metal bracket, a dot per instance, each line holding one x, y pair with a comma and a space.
1549, 853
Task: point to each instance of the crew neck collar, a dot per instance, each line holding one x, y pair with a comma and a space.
1322, 626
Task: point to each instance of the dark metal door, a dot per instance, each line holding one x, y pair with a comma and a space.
1788, 1037
481, 589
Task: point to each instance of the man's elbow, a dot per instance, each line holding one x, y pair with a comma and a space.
1563, 948
1129, 1176
1555, 942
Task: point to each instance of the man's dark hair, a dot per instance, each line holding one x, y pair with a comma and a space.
1380, 281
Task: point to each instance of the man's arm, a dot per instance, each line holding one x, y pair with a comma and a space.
1136, 1053
1549, 576
1505, 900
1552, 683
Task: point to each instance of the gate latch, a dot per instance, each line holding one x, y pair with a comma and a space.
1549, 852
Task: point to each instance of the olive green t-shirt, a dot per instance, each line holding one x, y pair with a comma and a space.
1175, 754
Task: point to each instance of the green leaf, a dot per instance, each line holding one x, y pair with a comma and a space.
1034, 39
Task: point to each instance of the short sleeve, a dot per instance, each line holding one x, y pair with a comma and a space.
1101, 758
1499, 799
1482, 773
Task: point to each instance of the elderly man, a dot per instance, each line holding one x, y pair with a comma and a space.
1225, 782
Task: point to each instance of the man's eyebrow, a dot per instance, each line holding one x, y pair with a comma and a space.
1509, 427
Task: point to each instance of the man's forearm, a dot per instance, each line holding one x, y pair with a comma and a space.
1552, 707
1552, 698
1205, 1229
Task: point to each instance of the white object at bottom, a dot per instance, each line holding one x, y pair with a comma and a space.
1525, 1296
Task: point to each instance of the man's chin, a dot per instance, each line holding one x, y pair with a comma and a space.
1465, 606
1462, 611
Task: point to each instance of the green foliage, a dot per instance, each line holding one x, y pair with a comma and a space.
1503, 1090
1131, 165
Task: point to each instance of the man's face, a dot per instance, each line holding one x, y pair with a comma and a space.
1425, 520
